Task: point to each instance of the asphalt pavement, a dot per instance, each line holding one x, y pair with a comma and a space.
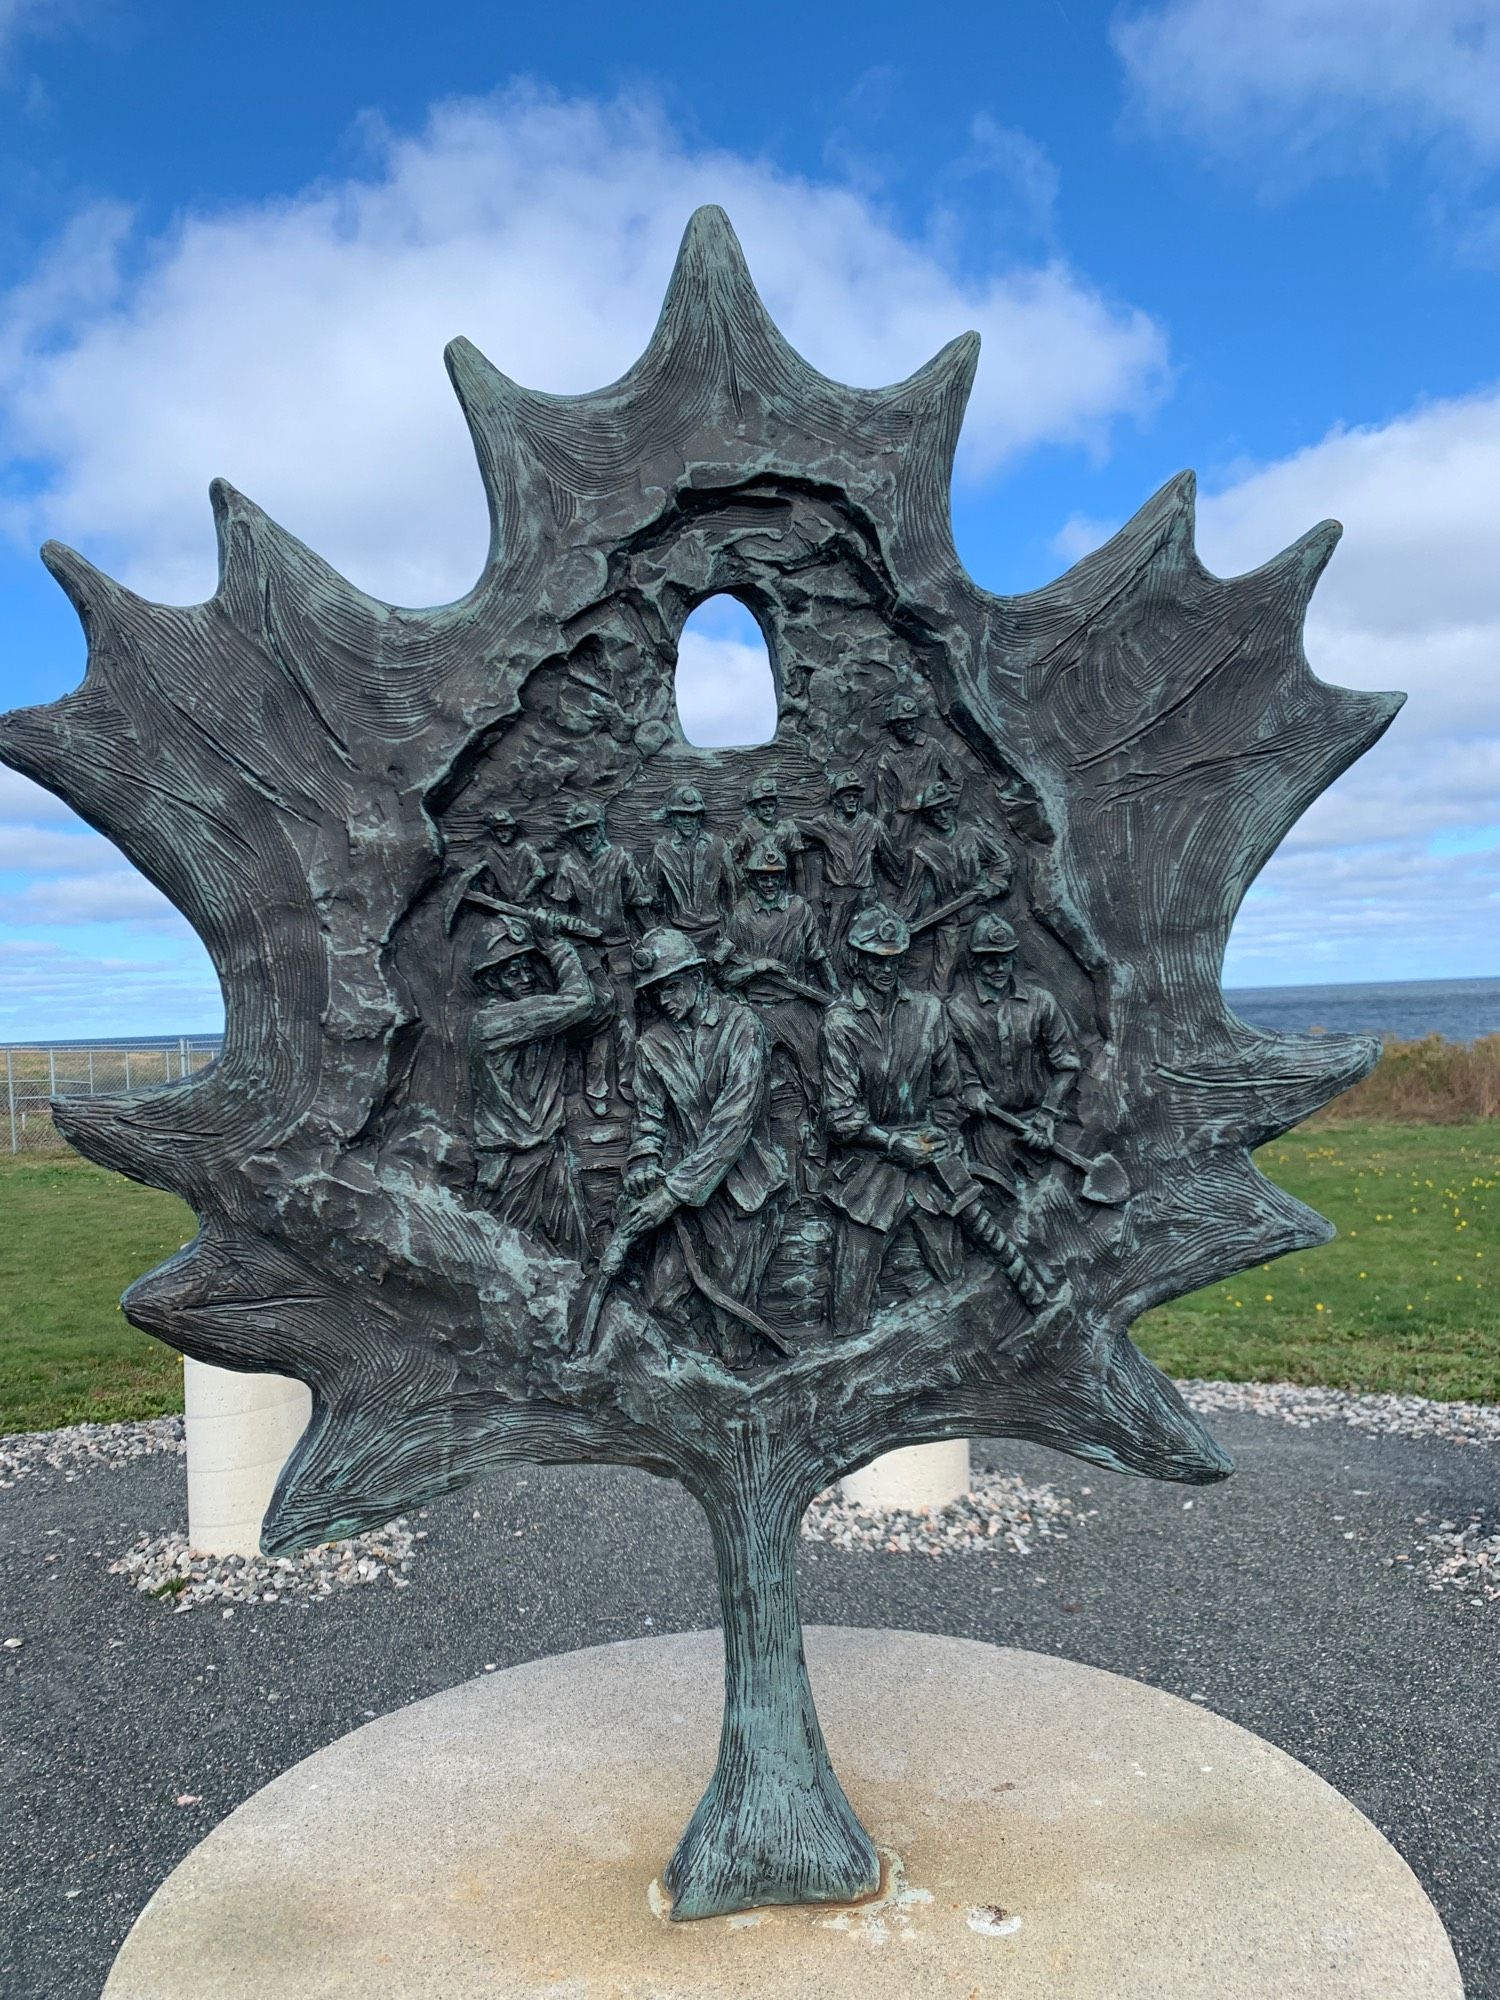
1266, 1598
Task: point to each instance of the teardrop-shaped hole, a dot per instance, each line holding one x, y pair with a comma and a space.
726, 690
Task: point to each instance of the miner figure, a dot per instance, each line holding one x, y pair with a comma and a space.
691, 872
764, 820
510, 871
514, 866
534, 992
843, 842
890, 1086
705, 1184
774, 955
1018, 1062
600, 882
947, 861
910, 763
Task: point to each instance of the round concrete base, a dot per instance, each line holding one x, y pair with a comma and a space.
1048, 1829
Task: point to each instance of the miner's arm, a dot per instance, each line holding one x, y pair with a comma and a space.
509, 1023
537, 872
1062, 1056
946, 1108
845, 1104
818, 958
730, 1122
968, 1042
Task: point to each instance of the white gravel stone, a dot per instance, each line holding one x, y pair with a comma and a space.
1391, 1416
1463, 1559
165, 1567
999, 1511
86, 1447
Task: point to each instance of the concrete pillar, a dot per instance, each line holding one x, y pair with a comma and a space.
240, 1430
916, 1477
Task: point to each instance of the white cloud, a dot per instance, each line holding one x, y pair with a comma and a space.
70, 874
49, 851
110, 896
1300, 82
23, 803
295, 347
1411, 600
48, 989
21, 17
1394, 911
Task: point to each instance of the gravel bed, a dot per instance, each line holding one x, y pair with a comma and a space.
85, 1447
1390, 1416
164, 1567
999, 1511
1462, 1559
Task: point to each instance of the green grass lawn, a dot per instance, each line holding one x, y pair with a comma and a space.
71, 1239
1407, 1298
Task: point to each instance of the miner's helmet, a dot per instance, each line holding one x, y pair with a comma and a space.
508, 939
844, 781
500, 816
582, 813
879, 933
663, 953
939, 793
902, 708
763, 788
993, 936
684, 799
765, 858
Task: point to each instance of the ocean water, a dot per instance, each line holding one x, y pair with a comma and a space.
1460, 1010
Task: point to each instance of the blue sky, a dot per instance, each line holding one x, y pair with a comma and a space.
1256, 237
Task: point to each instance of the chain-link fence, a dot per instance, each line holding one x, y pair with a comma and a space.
32, 1076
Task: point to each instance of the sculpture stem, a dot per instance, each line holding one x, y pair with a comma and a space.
774, 1825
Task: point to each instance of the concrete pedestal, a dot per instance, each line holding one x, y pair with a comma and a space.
240, 1430
916, 1477
1048, 1830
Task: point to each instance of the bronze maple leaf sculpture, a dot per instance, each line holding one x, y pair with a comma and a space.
298, 767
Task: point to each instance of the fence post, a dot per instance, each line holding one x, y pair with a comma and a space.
52, 1072
127, 1069
10, 1096
91, 1072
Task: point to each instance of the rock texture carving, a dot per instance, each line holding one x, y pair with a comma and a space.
736, 1114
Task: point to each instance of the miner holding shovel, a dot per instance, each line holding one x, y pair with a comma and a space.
1019, 1066
705, 1185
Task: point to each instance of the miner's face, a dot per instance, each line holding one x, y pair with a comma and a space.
905, 728
517, 977
765, 810
504, 834
769, 884
881, 975
849, 803
587, 838
687, 824
993, 969
675, 996
943, 818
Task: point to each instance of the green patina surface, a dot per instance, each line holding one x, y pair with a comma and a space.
424, 1181
1410, 1288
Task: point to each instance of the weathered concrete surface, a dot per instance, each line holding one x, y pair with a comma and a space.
1054, 1829
915, 1476
240, 1432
